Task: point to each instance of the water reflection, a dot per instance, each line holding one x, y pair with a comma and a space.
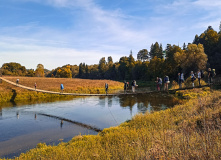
147, 102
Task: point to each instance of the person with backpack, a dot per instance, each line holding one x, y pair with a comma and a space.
210, 75
193, 78
133, 84
106, 88
62, 88
126, 85
17, 81
199, 76
159, 84
166, 83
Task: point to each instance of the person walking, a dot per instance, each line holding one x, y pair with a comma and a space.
193, 78
35, 86
62, 88
199, 76
166, 83
106, 88
17, 81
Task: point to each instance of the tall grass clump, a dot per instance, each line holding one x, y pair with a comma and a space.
187, 131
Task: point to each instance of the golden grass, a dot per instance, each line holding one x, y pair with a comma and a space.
187, 131
70, 85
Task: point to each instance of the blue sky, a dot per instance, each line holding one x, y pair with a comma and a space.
59, 32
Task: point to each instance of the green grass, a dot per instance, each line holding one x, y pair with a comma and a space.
187, 131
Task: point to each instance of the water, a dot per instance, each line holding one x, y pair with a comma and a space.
22, 127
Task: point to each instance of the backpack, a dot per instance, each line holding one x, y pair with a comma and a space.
160, 81
166, 79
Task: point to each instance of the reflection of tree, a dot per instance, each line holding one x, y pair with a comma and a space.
1, 112
150, 102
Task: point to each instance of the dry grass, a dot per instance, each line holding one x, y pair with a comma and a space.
70, 85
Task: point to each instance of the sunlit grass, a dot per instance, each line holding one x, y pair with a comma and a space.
81, 86
187, 131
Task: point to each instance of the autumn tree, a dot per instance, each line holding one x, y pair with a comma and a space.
30, 73
13, 68
64, 72
39, 72
170, 65
155, 67
191, 59
142, 55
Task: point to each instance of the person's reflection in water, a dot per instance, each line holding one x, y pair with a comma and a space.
17, 114
110, 101
61, 124
35, 116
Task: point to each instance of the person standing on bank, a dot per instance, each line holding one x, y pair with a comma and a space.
35, 86
209, 76
125, 87
133, 84
199, 76
106, 88
62, 88
166, 82
193, 78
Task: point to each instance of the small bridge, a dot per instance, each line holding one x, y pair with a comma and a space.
77, 94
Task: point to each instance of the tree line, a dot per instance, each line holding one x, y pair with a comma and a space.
202, 53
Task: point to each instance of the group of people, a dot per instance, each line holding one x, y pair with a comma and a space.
159, 83
199, 75
133, 86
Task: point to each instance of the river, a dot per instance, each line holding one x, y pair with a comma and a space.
23, 126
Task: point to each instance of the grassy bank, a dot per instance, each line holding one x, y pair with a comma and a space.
12, 93
187, 131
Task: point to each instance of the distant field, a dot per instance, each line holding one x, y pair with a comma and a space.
70, 85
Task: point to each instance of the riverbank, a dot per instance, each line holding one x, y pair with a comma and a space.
187, 131
9, 92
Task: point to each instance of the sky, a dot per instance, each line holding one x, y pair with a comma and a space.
59, 32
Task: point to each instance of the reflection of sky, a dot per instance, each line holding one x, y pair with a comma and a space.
100, 112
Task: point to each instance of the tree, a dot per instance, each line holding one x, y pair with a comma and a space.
39, 72
102, 66
156, 50
110, 61
64, 72
155, 68
13, 68
171, 66
142, 55
191, 59
220, 27
30, 73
